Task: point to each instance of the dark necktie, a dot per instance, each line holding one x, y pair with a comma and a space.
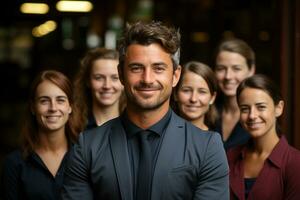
145, 168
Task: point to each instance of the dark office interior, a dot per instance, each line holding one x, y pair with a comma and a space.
271, 27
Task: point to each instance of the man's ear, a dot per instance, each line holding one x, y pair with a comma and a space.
176, 75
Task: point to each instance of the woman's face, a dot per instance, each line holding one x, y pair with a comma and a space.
258, 112
193, 96
231, 69
51, 107
105, 84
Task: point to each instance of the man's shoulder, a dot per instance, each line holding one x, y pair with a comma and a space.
198, 135
100, 132
197, 132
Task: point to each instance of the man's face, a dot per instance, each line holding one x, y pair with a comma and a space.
148, 77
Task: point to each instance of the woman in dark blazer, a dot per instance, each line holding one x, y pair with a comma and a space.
35, 171
266, 167
235, 61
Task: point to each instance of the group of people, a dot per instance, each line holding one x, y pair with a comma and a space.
138, 125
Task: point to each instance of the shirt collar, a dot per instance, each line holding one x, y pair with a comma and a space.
277, 155
131, 129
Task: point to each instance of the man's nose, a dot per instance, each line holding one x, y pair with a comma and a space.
148, 76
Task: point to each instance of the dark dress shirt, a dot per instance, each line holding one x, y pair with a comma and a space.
238, 136
30, 178
157, 133
278, 179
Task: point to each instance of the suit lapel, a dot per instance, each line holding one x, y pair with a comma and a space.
169, 151
120, 156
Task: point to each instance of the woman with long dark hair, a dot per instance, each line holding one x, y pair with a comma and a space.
266, 167
35, 171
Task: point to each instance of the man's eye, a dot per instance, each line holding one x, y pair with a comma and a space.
159, 69
136, 69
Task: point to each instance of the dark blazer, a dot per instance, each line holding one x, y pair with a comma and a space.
191, 165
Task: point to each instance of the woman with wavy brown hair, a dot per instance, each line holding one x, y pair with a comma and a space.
35, 171
194, 95
98, 90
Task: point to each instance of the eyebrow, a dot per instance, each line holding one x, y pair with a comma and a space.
104, 74
153, 64
259, 103
160, 63
135, 64
41, 97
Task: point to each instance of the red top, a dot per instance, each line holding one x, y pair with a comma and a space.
278, 179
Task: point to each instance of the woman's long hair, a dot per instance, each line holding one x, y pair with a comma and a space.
29, 134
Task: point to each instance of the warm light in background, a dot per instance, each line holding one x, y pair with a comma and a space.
264, 36
228, 34
200, 37
44, 28
74, 6
34, 8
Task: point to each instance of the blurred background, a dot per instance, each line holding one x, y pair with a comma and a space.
56, 37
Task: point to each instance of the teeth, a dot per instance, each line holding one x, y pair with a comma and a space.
192, 108
106, 94
52, 118
253, 124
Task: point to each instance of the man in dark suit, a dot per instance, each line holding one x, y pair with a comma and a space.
175, 160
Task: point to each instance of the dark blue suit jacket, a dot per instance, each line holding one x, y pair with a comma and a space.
191, 165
